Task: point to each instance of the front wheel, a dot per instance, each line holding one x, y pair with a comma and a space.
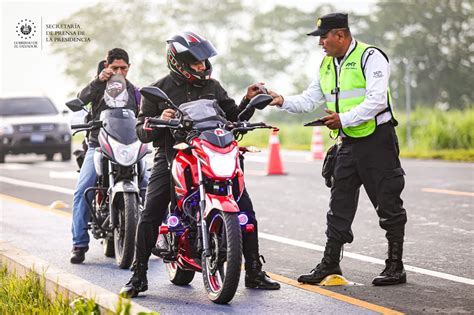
124, 232
221, 271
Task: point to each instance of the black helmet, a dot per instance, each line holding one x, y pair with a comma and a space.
187, 48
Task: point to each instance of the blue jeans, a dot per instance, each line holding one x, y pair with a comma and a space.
80, 211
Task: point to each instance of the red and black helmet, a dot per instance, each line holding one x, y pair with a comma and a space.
185, 49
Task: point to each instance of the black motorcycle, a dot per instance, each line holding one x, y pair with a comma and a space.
114, 202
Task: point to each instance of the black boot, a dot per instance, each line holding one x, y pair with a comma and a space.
137, 283
394, 272
329, 264
78, 254
256, 278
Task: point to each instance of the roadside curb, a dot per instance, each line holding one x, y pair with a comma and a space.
59, 281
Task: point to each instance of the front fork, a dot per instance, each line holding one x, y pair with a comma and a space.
202, 224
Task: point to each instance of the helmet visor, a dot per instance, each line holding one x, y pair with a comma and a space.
199, 52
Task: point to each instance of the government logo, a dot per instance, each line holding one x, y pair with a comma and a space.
26, 29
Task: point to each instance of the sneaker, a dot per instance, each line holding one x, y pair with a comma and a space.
78, 254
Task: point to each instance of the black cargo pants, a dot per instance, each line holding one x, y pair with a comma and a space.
371, 161
158, 197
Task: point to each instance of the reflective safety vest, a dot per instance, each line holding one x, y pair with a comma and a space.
346, 90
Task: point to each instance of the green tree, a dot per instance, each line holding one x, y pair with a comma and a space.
435, 38
141, 27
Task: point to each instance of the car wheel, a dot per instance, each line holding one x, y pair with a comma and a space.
49, 156
66, 155
2, 158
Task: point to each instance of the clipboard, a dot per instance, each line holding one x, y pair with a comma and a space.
317, 122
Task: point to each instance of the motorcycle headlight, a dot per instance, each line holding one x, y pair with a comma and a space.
6, 130
125, 154
223, 165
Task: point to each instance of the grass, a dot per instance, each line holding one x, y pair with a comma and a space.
27, 295
436, 134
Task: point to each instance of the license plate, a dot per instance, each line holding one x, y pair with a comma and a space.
37, 138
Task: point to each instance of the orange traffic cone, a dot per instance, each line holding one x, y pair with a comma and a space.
317, 149
274, 165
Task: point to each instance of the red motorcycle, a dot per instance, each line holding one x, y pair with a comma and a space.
203, 230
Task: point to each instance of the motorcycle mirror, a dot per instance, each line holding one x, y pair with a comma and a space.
155, 95
75, 105
260, 101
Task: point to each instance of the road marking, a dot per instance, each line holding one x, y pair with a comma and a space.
37, 185
449, 192
14, 167
334, 295
35, 205
377, 261
276, 238
276, 277
64, 174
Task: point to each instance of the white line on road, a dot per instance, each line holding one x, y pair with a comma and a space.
448, 192
306, 245
270, 237
14, 167
37, 185
64, 174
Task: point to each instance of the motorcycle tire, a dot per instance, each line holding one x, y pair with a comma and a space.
108, 247
124, 233
176, 275
221, 271
179, 276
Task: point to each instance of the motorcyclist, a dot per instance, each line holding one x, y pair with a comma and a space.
189, 79
117, 62
80, 154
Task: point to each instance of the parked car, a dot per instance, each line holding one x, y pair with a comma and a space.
33, 125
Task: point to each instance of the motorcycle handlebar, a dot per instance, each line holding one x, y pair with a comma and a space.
90, 125
80, 126
246, 126
157, 122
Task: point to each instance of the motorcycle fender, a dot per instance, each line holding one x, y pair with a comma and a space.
222, 203
124, 186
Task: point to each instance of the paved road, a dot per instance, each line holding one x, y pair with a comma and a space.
291, 210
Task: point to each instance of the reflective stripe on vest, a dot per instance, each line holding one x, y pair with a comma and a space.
352, 88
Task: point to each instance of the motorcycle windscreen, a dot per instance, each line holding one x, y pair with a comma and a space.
120, 124
205, 114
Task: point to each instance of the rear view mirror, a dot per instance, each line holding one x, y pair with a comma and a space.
260, 101
154, 94
75, 105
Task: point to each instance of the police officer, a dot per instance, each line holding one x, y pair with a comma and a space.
353, 83
189, 79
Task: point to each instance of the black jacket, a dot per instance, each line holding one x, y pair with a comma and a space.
179, 91
94, 93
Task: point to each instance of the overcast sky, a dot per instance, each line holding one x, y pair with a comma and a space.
36, 71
